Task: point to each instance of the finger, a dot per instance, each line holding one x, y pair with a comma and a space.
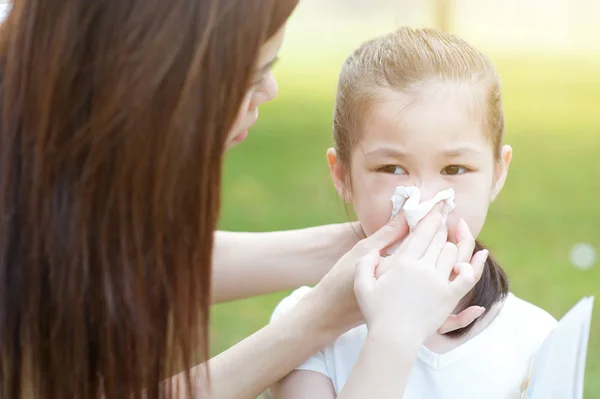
447, 259
469, 274
364, 277
461, 320
464, 241
433, 252
393, 231
455, 270
382, 267
419, 240
478, 262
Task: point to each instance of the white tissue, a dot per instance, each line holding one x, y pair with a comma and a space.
409, 200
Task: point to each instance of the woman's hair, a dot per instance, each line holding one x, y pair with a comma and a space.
114, 116
408, 61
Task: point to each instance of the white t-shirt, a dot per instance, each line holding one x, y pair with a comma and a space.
494, 364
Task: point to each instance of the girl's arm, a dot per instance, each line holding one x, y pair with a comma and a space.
250, 264
303, 384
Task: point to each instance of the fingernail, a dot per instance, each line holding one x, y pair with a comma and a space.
444, 218
445, 208
480, 311
461, 232
485, 253
440, 218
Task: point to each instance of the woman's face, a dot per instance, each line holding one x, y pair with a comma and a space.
263, 89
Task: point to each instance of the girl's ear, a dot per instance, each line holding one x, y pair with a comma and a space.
337, 175
502, 165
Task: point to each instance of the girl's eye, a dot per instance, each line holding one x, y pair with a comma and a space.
393, 169
454, 170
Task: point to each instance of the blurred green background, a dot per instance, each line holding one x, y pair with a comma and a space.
278, 178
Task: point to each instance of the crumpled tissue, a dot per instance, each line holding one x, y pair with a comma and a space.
408, 199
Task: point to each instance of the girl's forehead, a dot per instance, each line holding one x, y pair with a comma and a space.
438, 117
465, 99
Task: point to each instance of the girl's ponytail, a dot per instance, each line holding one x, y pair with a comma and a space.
491, 288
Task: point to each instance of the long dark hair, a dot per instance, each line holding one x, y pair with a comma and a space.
114, 117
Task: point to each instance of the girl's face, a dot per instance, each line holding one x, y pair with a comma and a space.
433, 141
263, 89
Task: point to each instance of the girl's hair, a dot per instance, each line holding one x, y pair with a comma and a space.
409, 60
114, 117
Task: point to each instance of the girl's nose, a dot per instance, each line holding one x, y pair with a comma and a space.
429, 190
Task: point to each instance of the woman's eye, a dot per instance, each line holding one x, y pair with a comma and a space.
454, 170
393, 169
258, 81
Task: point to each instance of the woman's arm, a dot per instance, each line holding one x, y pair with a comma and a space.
259, 361
327, 311
383, 367
250, 264
256, 363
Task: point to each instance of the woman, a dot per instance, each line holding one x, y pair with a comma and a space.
115, 118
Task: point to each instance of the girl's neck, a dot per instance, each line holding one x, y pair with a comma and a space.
440, 343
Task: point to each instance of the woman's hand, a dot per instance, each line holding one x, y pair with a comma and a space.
415, 294
335, 291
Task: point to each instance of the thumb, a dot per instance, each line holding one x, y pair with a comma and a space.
364, 277
385, 237
461, 320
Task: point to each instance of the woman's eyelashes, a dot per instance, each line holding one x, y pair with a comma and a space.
450, 170
259, 81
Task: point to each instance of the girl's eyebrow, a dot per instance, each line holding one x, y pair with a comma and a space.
462, 150
386, 152
395, 153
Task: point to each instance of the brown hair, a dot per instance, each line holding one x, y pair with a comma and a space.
114, 119
408, 60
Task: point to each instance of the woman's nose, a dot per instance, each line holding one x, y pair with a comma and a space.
265, 92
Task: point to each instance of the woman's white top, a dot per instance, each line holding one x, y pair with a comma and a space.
494, 364
5, 8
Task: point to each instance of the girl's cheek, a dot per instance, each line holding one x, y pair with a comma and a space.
473, 210
373, 211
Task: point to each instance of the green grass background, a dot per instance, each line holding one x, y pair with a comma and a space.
278, 180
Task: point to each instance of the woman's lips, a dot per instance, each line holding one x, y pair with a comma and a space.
244, 134
240, 137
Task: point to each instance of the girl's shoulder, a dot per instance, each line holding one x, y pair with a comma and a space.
514, 312
287, 303
525, 319
517, 326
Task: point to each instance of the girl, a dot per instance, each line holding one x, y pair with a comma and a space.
423, 108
